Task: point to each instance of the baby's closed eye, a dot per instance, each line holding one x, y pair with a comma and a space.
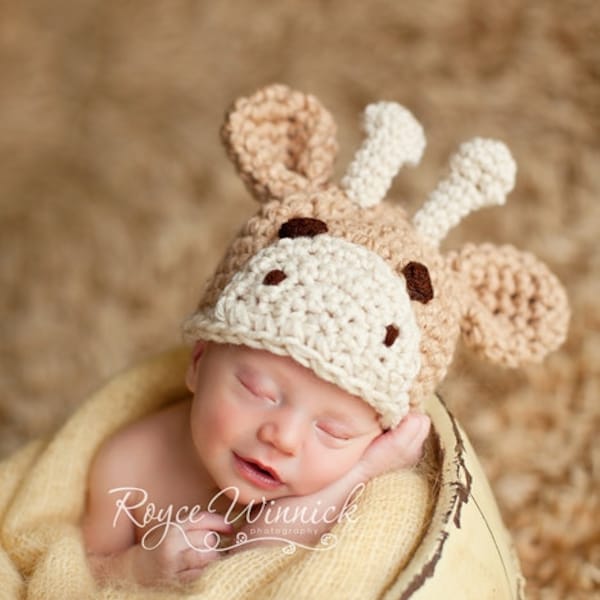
258, 388
335, 431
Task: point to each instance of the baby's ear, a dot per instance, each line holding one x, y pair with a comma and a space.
515, 310
192, 370
281, 141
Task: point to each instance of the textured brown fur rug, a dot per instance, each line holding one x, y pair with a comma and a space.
116, 200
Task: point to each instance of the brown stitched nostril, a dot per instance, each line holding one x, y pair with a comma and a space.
274, 277
391, 333
418, 282
302, 227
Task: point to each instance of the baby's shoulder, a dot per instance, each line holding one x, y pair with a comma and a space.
126, 456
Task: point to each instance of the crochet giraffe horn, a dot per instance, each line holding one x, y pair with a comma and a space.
482, 173
394, 137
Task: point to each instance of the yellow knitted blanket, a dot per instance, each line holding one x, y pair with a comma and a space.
42, 498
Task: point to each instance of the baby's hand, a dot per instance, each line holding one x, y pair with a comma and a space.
180, 553
397, 448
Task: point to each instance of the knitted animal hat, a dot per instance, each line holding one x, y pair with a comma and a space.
352, 287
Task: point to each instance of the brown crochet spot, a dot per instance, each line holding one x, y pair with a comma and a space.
391, 333
302, 226
418, 282
274, 277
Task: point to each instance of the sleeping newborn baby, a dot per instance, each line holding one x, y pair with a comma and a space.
328, 322
260, 430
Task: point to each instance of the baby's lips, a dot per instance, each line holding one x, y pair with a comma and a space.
270, 470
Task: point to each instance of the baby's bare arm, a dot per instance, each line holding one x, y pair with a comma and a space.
396, 449
166, 554
110, 544
101, 533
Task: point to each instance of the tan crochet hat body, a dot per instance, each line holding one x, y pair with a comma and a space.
351, 287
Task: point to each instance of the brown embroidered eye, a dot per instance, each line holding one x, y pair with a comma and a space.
418, 282
391, 333
274, 277
301, 227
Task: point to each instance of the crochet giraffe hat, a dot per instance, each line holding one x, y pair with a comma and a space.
349, 286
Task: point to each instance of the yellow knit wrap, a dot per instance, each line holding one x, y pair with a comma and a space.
42, 497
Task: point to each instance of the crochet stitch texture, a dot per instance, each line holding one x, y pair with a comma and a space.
348, 285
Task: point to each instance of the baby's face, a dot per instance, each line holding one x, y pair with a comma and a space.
270, 427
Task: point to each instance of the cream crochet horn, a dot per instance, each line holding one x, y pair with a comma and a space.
394, 137
350, 286
482, 173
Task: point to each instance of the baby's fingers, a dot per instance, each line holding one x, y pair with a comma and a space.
194, 561
412, 429
398, 448
203, 548
205, 533
209, 521
410, 436
203, 540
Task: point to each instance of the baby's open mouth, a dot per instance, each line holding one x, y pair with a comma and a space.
257, 473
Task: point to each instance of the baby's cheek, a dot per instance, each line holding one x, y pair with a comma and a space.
214, 425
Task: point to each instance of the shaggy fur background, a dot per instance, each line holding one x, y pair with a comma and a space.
116, 200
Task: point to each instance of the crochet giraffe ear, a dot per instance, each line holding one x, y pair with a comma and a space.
281, 141
516, 311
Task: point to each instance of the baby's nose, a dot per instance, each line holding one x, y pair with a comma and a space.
284, 431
